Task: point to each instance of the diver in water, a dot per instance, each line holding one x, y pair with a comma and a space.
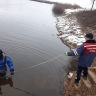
5, 60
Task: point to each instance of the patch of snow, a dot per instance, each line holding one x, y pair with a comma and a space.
69, 11
71, 31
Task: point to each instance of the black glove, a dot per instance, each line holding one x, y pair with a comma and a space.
12, 72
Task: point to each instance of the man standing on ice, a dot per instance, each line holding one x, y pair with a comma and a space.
87, 53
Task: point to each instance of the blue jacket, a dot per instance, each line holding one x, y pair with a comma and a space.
84, 59
5, 62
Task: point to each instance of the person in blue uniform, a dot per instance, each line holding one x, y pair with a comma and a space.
87, 53
4, 62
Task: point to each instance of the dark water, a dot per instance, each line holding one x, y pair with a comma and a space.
28, 36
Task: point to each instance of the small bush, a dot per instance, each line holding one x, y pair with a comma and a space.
76, 6
58, 9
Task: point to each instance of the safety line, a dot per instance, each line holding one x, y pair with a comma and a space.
39, 64
34, 65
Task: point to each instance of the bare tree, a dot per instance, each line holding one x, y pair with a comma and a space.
92, 4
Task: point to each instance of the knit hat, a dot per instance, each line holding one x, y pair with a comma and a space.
1, 55
89, 35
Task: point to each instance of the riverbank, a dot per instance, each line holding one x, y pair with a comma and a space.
70, 31
72, 26
47, 2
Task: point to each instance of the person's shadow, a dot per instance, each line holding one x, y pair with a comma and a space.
8, 80
5, 81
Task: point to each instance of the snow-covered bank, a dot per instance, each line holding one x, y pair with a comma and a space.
69, 29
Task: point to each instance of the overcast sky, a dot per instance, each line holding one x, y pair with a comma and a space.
82, 3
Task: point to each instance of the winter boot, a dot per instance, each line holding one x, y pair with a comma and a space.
84, 77
76, 82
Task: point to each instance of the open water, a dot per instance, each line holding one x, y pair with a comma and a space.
28, 36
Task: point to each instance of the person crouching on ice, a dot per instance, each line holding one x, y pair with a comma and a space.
5, 60
87, 53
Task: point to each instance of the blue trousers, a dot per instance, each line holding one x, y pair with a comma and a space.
79, 71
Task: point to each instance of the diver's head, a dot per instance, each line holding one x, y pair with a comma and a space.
1, 55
